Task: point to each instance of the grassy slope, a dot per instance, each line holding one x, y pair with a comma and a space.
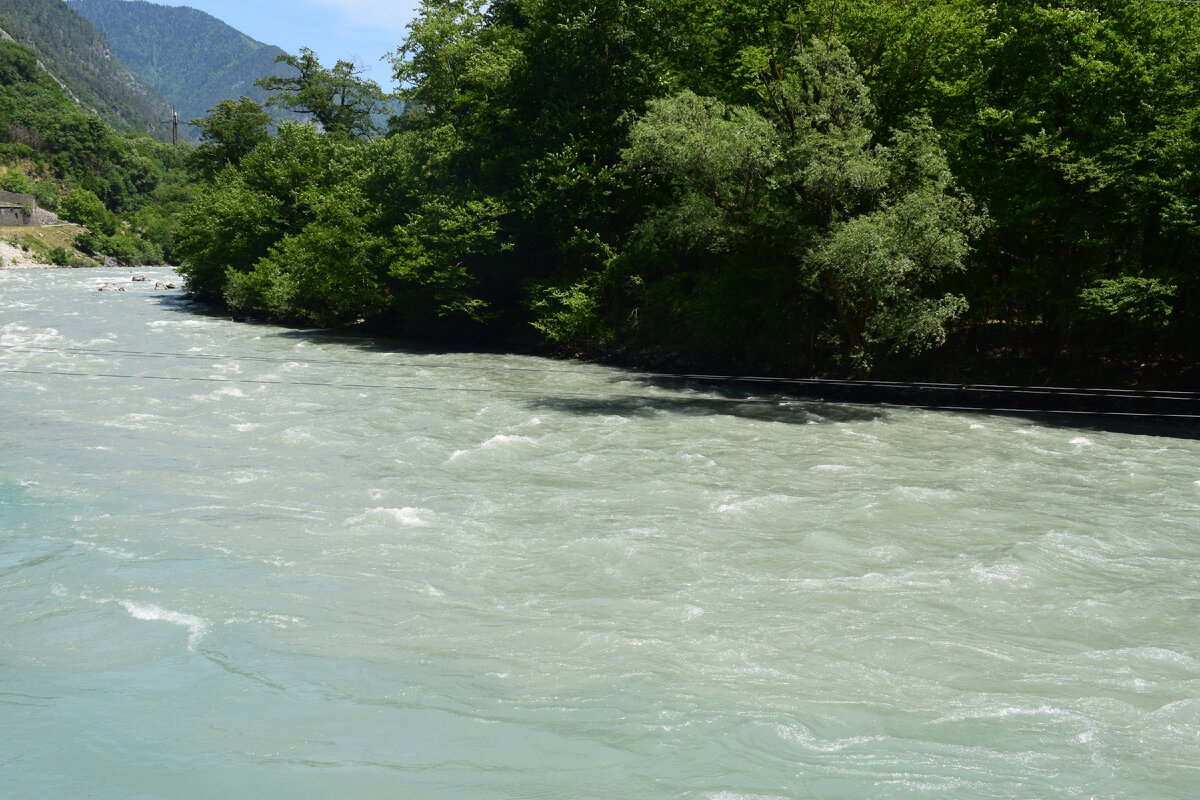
38, 242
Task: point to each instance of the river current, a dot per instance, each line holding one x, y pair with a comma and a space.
238, 560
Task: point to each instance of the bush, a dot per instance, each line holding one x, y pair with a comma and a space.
126, 248
1142, 301
84, 207
151, 253
123, 248
47, 194
13, 180
108, 224
60, 257
87, 243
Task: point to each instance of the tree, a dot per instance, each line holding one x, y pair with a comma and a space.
290, 232
726, 180
1082, 141
17, 64
84, 207
803, 183
339, 99
228, 134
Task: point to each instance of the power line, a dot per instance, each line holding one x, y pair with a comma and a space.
284, 360
700, 377
360, 386
776, 402
761, 380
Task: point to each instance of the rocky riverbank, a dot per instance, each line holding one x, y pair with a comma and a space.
40, 247
13, 257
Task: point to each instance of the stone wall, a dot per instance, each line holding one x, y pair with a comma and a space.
14, 216
14, 199
13, 211
43, 217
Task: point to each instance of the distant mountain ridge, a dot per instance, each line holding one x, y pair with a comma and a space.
194, 59
79, 58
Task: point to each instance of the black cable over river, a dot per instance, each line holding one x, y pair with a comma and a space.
245, 561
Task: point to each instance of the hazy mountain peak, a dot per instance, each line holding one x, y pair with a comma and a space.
193, 58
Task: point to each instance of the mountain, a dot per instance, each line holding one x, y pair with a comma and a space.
70, 49
192, 58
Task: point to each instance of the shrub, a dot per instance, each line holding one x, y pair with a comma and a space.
123, 248
13, 180
87, 243
84, 207
1142, 301
47, 194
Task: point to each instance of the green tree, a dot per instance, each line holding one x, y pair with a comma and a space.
233, 223
326, 272
1082, 142
290, 233
339, 99
729, 181
84, 207
13, 180
17, 64
865, 227
232, 129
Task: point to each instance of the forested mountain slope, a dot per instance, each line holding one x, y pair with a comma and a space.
77, 55
125, 187
192, 58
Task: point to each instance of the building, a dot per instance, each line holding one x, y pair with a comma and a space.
21, 210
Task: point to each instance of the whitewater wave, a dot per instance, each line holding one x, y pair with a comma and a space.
410, 517
197, 626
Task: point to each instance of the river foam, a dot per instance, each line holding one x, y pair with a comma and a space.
525, 580
196, 626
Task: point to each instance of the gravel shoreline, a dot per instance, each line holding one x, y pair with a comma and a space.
13, 257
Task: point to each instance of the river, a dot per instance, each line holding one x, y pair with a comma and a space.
238, 560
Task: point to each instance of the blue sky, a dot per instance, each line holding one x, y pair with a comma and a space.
362, 30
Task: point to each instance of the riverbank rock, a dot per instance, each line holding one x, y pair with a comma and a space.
13, 257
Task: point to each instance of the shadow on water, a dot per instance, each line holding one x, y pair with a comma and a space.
731, 399
735, 401
1132, 426
786, 403
786, 410
182, 303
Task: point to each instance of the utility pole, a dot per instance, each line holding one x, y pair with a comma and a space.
174, 120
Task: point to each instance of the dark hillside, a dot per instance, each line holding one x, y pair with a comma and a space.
71, 49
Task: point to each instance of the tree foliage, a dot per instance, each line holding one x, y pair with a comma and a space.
777, 185
338, 98
853, 226
228, 134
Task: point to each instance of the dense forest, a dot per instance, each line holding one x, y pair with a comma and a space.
949, 189
953, 188
80, 60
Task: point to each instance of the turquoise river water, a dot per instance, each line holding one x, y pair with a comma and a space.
242, 561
